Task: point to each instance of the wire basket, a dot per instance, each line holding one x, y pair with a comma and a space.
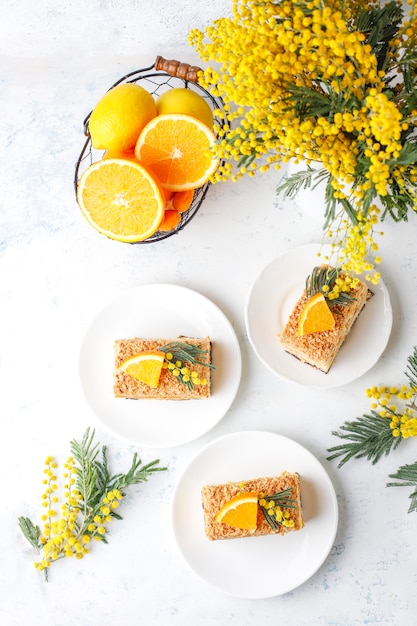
162, 75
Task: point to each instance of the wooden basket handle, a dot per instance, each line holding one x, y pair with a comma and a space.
175, 68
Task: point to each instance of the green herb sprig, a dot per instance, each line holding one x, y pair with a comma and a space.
92, 496
367, 436
323, 280
272, 507
185, 353
378, 433
406, 476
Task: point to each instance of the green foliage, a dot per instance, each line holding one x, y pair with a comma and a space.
326, 277
186, 353
380, 25
281, 499
31, 532
90, 506
372, 436
85, 453
411, 371
368, 436
309, 178
406, 476
94, 479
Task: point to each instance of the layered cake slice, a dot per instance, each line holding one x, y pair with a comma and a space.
261, 506
317, 340
162, 369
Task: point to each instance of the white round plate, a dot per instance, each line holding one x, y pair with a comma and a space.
270, 302
255, 567
167, 311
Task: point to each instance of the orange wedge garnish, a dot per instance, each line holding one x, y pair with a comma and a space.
316, 316
241, 511
145, 366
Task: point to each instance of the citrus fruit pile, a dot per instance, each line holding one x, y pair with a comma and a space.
157, 153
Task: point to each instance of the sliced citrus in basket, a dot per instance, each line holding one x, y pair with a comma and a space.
170, 220
316, 316
241, 511
146, 367
121, 199
181, 200
120, 154
177, 148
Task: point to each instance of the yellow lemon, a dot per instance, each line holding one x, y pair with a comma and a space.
181, 100
119, 116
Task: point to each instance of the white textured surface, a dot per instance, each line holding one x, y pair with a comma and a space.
56, 273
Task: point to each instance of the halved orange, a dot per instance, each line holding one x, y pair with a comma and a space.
241, 511
146, 367
316, 316
121, 199
176, 148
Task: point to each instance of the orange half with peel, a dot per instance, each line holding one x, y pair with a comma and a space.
177, 148
121, 199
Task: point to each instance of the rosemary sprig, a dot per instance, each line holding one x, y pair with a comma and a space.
307, 179
271, 506
31, 532
94, 480
186, 353
85, 453
92, 495
380, 25
368, 436
411, 369
378, 433
323, 279
407, 475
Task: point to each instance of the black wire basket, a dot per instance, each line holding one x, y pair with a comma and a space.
162, 75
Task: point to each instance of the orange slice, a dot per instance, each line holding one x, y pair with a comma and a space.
176, 148
146, 367
241, 511
316, 316
120, 154
170, 220
121, 199
181, 200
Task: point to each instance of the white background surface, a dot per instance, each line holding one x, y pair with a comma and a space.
56, 273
